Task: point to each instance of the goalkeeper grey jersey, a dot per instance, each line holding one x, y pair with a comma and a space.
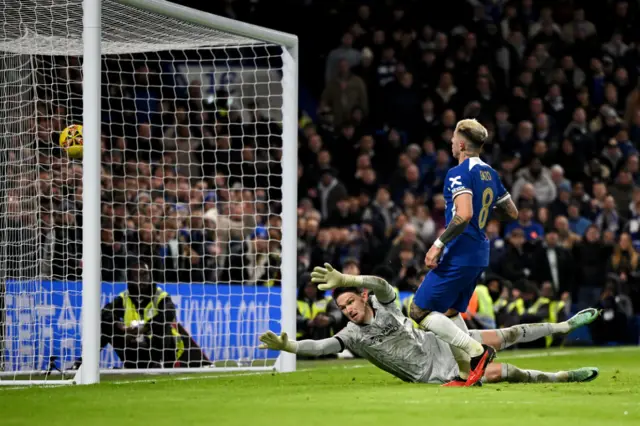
391, 343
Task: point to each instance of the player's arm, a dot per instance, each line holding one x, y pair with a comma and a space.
328, 278
463, 203
505, 209
329, 346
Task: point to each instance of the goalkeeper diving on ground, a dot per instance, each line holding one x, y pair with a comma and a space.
380, 333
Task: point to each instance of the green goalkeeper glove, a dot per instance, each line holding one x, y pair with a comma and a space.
328, 278
271, 340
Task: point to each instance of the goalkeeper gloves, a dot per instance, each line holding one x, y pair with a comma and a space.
270, 340
328, 278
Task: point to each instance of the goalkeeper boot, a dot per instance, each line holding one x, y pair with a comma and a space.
459, 382
585, 374
479, 365
584, 317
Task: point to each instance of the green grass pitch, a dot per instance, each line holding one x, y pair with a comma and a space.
334, 392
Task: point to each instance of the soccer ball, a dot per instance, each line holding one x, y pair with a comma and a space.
71, 140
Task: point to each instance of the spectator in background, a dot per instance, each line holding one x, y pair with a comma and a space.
382, 212
256, 260
540, 177
330, 190
344, 93
560, 206
578, 224
608, 219
516, 262
612, 326
497, 244
345, 52
532, 230
405, 249
566, 238
557, 176
592, 257
624, 263
622, 192
553, 263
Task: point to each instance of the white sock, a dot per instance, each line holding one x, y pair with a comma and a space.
462, 358
513, 374
449, 332
524, 333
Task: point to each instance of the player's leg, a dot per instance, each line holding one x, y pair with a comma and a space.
451, 287
434, 297
463, 359
478, 364
497, 373
504, 337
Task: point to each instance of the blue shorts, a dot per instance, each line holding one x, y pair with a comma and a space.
448, 287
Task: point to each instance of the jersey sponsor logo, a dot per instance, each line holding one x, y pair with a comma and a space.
458, 189
389, 329
381, 333
455, 181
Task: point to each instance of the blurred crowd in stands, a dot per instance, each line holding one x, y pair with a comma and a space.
195, 188
555, 85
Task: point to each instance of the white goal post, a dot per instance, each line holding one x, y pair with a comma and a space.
189, 170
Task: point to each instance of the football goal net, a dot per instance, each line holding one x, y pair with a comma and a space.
169, 244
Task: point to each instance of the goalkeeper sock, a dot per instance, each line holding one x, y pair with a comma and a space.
462, 358
450, 333
512, 374
523, 333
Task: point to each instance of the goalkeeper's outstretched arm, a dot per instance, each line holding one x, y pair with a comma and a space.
329, 346
328, 278
379, 286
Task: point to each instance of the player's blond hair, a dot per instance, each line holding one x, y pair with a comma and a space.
474, 132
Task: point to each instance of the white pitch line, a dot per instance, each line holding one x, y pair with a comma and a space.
556, 353
185, 378
506, 356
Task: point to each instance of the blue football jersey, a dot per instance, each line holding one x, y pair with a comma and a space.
475, 177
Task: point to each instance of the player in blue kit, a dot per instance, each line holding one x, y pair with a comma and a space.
473, 191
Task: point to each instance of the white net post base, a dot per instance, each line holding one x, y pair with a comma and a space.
198, 175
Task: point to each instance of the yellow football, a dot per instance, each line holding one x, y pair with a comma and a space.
71, 140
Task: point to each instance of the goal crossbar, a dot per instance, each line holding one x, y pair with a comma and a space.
215, 22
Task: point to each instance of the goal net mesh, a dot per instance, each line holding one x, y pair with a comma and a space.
190, 190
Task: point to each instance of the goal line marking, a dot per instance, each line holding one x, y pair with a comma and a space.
507, 356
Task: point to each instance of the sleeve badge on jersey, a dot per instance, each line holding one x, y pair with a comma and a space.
457, 185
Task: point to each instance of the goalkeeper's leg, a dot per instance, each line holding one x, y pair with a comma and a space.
509, 373
522, 333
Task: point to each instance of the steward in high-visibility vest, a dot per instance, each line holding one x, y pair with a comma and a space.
514, 311
542, 312
140, 324
150, 312
543, 309
308, 310
316, 315
480, 309
499, 291
548, 309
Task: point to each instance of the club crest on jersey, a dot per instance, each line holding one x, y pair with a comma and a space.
455, 181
